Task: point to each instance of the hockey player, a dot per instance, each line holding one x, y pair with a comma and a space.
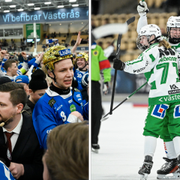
173, 33
82, 68
59, 105
159, 62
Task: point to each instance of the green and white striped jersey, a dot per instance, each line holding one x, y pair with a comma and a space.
160, 67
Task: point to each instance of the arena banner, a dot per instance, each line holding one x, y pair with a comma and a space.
44, 16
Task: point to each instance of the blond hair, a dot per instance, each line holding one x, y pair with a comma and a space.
164, 43
67, 157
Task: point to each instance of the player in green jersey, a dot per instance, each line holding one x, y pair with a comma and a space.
159, 63
173, 37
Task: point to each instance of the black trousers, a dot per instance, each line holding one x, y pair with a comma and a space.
96, 110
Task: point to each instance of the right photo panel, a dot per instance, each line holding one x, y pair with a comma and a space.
135, 90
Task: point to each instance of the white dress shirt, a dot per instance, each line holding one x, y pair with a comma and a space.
16, 132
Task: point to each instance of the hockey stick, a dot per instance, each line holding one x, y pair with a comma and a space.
105, 116
83, 27
108, 29
129, 21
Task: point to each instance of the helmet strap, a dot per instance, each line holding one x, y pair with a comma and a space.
155, 40
81, 69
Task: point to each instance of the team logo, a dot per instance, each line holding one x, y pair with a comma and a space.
95, 53
159, 111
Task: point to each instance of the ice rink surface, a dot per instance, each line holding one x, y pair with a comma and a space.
121, 143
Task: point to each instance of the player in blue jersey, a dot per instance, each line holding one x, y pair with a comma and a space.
59, 105
82, 68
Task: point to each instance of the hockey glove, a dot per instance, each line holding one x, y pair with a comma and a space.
105, 88
118, 64
142, 8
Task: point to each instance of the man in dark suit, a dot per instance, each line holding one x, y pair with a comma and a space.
21, 151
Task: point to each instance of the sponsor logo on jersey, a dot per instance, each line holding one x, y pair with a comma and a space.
59, 107
174, 89
177, 111
78, 95
170, 98
72, 108
138, 70
159, 111
70, 101
51, 102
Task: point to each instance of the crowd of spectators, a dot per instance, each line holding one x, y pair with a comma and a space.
32, 94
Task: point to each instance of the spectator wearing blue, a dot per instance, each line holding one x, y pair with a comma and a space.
24, 80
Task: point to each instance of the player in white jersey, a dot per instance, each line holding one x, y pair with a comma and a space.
173, 37
159, 63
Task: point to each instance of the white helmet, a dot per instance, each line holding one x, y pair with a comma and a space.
173, 21
148, 30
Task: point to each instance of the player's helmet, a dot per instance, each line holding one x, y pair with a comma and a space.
148, 31
82, 55
55, 54
173, 22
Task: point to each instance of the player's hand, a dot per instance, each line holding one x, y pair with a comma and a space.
105, 88
78, 115
118, 64
142, 8
24, 55
40, 57
16, 169
78, 40
2, 53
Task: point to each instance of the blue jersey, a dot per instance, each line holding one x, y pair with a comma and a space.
86, 111
5, 173
52, 110
78, 75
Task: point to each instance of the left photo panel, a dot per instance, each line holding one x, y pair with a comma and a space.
44, 90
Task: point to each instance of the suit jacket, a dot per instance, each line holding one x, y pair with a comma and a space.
26, 151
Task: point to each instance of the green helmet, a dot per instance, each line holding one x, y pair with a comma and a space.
55, 54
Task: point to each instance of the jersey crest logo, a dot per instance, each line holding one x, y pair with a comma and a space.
159, 111
51, 102
95, 53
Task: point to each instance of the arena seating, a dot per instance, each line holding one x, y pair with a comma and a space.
128, 42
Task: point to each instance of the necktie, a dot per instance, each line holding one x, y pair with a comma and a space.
9, 146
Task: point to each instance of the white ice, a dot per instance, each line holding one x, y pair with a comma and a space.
121, 142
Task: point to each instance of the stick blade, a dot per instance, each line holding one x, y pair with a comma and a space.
118, 46
131, 20
108, 29
104, 118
